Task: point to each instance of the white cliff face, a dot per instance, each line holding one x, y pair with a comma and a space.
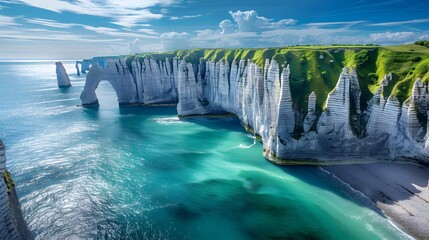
85, 65
190, 101
377, 97
145, 83
335, 120
8, 228
261, 98
62, 77
118, 75
156, 79
354, 89
285, 119
427, 137
419, 106
311, 118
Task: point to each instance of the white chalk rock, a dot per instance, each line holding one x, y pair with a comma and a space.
335, 120
118, 75
310, 119
189, 101
8, 227
285, 121
63, 79
261, 98
419, 105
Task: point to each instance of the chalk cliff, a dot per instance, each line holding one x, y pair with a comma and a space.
85, 65
63, 79
343, 130
12, 224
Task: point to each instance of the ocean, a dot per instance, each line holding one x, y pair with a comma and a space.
142, 173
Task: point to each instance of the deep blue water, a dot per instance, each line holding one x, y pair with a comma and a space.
141, 173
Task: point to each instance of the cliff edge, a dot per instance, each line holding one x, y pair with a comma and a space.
12, 224
303, 103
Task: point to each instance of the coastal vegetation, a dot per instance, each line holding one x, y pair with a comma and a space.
316, 68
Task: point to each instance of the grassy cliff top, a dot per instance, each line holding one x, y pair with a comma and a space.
317, 68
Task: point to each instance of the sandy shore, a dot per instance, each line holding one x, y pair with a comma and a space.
400, 190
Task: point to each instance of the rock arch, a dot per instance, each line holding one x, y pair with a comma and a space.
85, 65
118, 75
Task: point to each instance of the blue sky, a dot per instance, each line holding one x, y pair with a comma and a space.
76, 29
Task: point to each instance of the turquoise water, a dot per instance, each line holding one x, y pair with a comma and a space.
141, 173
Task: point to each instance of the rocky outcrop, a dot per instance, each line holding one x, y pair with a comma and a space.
335, 120
85, 65
285, 119
427, 136
147, 82
190, 102
118, 75
63, 79
261, 98
154, 81
417, 112
310, 119
12, 225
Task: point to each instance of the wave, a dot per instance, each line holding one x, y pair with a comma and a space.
243, 146
169, 120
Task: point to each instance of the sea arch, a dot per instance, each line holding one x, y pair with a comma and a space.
85, 65
123, 84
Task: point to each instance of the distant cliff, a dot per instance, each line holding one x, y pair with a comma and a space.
305, 106
12, 224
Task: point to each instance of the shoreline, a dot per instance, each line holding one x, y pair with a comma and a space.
401, 191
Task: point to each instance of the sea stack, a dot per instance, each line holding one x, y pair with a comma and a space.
12, 224
62, 77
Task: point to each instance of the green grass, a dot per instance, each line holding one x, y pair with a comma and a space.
311, 73
8, 180
408, 48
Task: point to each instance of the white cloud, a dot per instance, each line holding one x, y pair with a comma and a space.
185, 17
175, 35
41, 34
423, 37
323, 24
400, 23
50, 23
148, 31
175, 40
250, 30
138, 46
134, 17
211, 38
307, 36
393, 37
115, 32
249, 21
226, 26
7, 21
134, 46
124, 13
